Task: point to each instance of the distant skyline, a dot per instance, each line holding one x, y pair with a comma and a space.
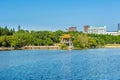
59, 14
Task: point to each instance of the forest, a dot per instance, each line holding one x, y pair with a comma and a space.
20, 38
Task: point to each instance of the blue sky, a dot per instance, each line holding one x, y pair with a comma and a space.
59, 14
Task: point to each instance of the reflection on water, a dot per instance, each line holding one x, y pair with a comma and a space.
93, 64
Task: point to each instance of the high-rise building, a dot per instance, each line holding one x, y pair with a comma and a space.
72, 29
95, 30
118, 27
86, 28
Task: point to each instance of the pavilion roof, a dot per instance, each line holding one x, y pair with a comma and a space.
66, 36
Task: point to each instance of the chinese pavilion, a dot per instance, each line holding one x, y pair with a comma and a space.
67, 39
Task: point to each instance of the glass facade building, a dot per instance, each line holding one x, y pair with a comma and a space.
118, 27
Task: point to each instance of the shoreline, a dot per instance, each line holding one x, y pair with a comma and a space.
6, 48
41, 48
46, 48
31, 48
112, 47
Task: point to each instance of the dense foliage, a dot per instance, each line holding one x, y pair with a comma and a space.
20, 38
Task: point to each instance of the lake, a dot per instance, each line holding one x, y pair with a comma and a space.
92, 64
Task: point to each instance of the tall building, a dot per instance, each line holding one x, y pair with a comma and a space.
86, 28
113, 33
72, 29
96, 30
118, 27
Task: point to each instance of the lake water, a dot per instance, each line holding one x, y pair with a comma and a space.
93, 64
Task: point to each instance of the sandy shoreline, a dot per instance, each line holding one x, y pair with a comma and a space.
32, 47
44, 47
112, 46
7, 48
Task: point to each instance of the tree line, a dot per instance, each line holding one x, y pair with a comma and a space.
20, 38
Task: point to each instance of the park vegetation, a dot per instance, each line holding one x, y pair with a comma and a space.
20, 38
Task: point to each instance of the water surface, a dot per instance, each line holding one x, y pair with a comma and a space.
93, 64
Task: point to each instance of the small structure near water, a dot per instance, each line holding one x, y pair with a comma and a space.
67, 40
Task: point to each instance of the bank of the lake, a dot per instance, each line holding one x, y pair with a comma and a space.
7, 48
31, 48
56, 47
42, 47
112, 46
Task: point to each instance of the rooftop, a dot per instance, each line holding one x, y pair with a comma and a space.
66, 36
